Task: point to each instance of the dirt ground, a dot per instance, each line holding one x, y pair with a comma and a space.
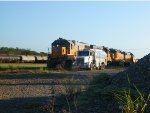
24, 93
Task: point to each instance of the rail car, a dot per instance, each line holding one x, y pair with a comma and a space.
117, 57
109, 58
41, 59
9, 58
4, 58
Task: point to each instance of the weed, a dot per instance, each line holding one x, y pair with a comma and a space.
131, 104
66, 93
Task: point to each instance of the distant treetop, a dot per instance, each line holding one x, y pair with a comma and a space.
19, 51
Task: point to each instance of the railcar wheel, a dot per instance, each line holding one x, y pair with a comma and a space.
102, 66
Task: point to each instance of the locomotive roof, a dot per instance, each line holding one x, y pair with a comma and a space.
112, 50
62, 41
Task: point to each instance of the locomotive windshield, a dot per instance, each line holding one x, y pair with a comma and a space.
83, 53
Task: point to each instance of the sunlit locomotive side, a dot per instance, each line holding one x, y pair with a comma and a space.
117, 57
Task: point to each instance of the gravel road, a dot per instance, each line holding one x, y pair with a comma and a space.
26, 92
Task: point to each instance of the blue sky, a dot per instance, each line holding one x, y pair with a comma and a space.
35, 25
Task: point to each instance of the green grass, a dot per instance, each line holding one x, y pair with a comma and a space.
130, 103
21, 65
102, 96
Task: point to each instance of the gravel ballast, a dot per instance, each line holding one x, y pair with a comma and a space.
137, 75
26, 93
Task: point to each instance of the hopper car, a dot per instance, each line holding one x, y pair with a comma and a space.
6, 58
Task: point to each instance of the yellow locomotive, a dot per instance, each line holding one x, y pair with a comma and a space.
118, 57
64, 52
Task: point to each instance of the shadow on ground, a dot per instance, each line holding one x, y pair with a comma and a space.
24, 105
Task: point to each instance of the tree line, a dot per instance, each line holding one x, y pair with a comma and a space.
19, 51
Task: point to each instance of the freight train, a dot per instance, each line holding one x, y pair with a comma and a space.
4, 58
64, 53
